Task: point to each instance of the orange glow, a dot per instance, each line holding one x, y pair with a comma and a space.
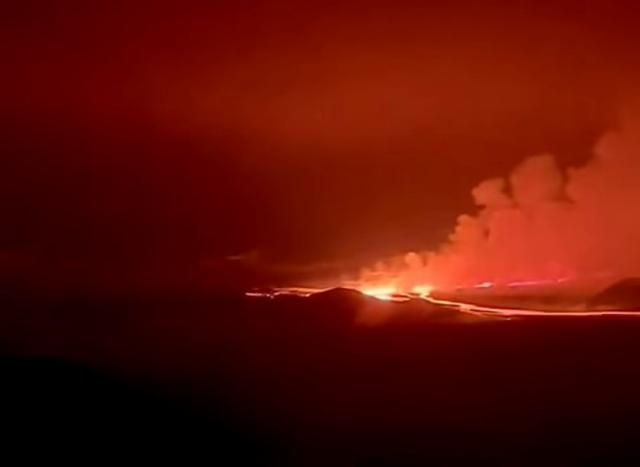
422, 292
392, 292
381, 293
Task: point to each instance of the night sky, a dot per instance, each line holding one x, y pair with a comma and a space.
155, 145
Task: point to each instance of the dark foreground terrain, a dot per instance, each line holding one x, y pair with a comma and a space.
228, 380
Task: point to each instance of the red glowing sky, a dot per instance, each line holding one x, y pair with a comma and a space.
146, 143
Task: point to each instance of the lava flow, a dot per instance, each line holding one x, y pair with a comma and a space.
424, 293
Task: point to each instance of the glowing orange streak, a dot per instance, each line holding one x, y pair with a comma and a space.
514, 312
389, 294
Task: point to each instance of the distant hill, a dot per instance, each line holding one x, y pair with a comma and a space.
340, 295
622, 294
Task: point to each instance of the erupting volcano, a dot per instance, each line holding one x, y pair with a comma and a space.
542, 231
320, 233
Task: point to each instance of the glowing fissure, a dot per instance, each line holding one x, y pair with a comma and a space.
541, 230
423, 293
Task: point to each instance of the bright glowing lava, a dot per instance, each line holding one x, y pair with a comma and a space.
424, 292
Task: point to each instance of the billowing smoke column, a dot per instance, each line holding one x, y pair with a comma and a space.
540, 224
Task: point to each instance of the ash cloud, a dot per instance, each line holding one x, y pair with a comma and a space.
542, 222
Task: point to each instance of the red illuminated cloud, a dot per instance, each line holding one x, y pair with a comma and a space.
542, 223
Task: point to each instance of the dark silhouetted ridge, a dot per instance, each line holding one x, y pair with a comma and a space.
340, 295
622, 294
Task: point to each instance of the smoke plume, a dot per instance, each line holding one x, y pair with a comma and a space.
541, 223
